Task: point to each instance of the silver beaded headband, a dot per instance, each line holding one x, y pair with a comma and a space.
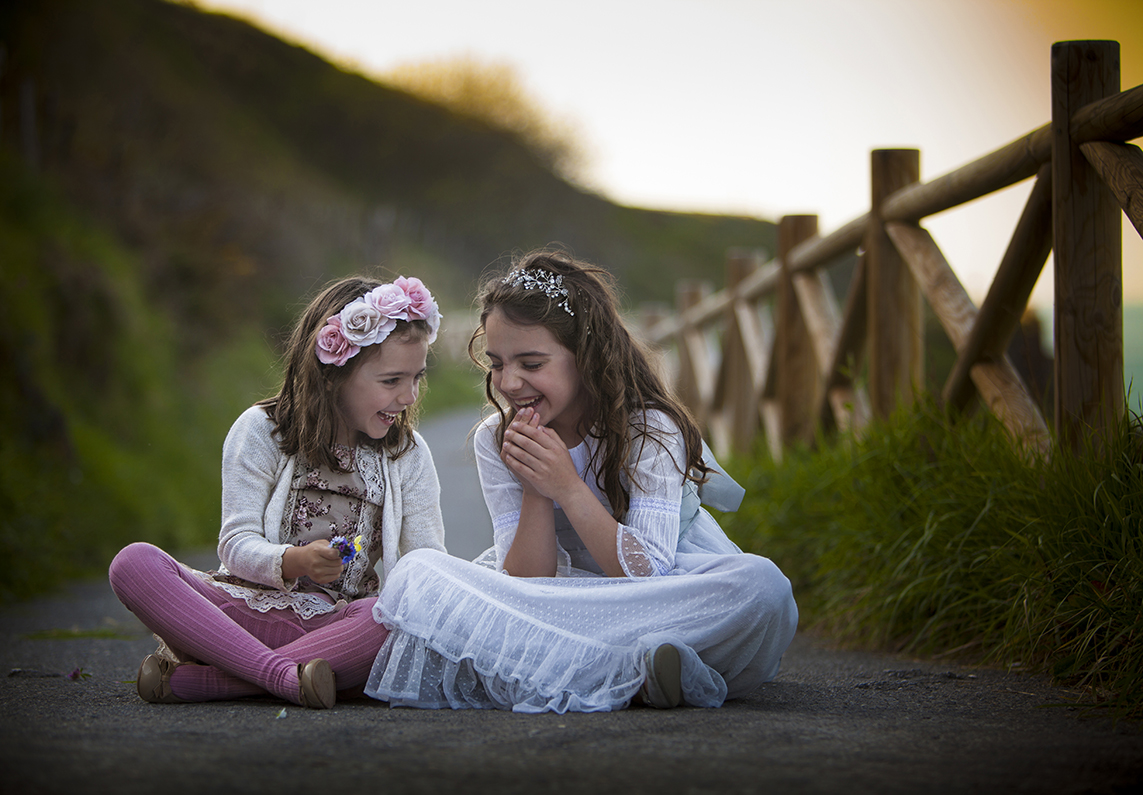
550, 284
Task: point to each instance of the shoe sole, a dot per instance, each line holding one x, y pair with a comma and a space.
318, 686
149, 680
153, 682
664, 678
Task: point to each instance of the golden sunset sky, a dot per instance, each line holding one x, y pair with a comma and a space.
759, 107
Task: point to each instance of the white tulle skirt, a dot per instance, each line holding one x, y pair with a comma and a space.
466, 636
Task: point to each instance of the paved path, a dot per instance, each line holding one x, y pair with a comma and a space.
468, 530
831, 722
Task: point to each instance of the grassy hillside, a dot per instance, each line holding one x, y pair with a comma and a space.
107, 435
236, 155
173, 185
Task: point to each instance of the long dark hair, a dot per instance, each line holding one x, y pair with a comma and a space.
615, 367
307, 410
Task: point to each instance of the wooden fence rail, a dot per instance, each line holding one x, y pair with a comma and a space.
773, 351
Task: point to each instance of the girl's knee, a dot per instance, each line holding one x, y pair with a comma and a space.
358, 609
133, 559
766, 582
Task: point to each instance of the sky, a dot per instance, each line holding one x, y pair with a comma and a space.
757, 107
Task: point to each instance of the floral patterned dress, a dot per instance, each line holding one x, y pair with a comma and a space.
323, 503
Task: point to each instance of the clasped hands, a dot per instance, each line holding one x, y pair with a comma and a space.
538, 456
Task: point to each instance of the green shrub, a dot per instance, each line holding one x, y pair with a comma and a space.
933, 536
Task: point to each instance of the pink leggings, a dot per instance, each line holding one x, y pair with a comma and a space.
246, 652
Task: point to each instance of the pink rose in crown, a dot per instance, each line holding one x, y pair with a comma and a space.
332, 346
390, 300
363, 324
421, 304
433, 318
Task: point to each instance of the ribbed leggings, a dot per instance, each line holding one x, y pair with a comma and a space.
245, 652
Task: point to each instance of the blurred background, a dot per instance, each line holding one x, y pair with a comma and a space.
750, 107
177, 179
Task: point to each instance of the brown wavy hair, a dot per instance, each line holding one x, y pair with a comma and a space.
614, 366
307, 410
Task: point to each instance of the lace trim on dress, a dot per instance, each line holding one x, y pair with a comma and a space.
263, 600
654, 505
168, 652
506, 521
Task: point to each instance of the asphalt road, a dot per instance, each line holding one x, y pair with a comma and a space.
832, 721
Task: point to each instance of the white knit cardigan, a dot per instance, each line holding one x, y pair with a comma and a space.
256, 481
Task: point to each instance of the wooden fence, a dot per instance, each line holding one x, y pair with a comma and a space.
787, 354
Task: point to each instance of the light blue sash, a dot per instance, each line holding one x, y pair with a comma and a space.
720, 492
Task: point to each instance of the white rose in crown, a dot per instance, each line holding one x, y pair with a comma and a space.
362, 323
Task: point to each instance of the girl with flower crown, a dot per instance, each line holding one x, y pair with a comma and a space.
319, 483
622, 586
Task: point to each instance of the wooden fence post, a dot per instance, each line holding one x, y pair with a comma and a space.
1088, 251
846, 401
651, 313
1008, 294
995, 378
797, 370
739, 375
896, 334
696, 370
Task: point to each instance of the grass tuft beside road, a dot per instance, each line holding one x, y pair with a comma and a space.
933, 536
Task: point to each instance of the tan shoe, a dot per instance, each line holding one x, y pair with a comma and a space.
662, 687
154, 680
316, 685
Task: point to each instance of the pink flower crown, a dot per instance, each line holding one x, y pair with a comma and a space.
368, 320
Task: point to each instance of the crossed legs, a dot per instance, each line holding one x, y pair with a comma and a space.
245, 652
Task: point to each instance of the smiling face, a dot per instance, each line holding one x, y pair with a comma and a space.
381, 387
530, 369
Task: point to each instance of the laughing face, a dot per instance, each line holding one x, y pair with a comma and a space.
382, 386
530, 369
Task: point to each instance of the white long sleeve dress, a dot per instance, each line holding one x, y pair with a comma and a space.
469, 635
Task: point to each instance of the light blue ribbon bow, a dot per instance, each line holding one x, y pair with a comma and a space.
720, 492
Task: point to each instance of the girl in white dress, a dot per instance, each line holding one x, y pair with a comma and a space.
608, 582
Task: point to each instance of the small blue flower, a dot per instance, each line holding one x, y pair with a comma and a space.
346, 548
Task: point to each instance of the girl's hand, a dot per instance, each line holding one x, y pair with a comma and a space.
523, 417
318, 561
537, 455
540, 460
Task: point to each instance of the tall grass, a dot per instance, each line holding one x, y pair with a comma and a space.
938, 537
